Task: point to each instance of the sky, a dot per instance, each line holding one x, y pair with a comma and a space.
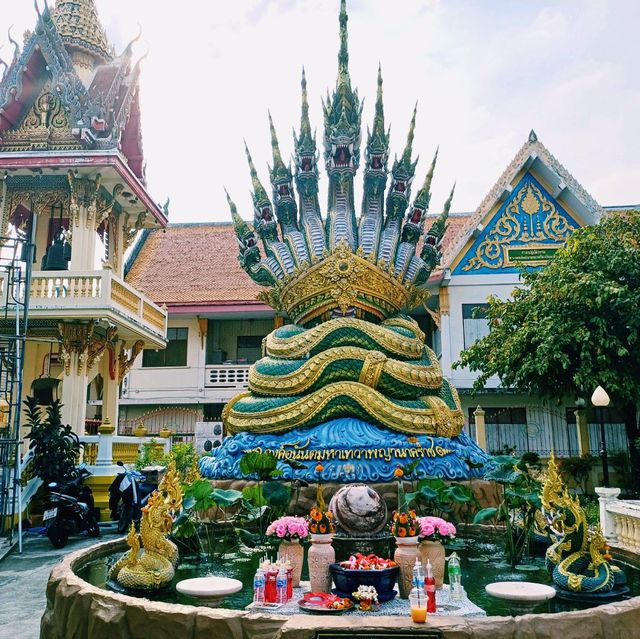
484, 73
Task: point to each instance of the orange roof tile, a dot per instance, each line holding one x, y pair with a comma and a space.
192, 264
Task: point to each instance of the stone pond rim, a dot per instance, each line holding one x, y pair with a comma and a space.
94, 613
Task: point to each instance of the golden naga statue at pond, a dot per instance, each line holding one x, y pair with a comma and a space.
150, 562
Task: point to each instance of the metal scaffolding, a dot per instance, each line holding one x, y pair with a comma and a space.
16, 261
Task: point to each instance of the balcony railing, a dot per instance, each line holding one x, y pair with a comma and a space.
619, 520
104, 450
235, 376
89, 292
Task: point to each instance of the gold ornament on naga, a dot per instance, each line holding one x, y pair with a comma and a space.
150, 562
342, 281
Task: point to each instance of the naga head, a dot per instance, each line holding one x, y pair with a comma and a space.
414, 223
402, 175
342, 113
306, 155
264, 220
377, 150
432, 248
249, 253
282, 184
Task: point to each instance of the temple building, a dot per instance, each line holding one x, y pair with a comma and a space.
217, 325
73, 183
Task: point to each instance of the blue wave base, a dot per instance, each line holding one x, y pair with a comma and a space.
350, 450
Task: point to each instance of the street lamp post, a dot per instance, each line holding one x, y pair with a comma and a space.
600, 399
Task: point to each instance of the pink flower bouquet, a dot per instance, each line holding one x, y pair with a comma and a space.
289, 528
436, 529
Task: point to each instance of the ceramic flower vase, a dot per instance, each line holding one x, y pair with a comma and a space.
321, 556
294, 552
405, 557
434, 551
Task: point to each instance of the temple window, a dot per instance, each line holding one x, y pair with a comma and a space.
474, 322
174, 355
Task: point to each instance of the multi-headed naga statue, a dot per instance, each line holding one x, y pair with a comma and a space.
350, 382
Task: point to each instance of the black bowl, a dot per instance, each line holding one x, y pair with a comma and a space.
347, 581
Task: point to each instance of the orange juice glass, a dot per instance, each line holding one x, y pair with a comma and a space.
418, 608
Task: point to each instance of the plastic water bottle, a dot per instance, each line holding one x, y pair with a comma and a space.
259, 583
455, 576
281, 586
418, 575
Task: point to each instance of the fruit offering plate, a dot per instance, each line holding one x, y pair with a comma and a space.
324, 603
367, 562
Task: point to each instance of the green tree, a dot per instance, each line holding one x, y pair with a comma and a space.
574, 325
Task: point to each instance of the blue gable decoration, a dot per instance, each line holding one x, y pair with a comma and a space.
526, 230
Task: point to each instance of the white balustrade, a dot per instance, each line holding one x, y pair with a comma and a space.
104, 463
227, 376
619, 520
95, 290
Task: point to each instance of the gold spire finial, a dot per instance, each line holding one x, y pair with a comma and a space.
79, 28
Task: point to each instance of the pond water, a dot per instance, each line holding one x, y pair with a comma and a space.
482, 562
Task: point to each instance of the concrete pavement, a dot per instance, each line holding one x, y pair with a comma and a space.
23, 580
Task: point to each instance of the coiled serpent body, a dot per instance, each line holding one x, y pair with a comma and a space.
346, 367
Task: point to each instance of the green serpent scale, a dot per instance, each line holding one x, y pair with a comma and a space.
404, 380
383, 374
292, 342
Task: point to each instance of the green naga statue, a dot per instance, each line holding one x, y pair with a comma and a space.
350, 381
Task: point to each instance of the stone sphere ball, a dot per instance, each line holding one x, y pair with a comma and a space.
359, 510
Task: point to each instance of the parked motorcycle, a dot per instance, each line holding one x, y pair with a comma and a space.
71, 510
128, 494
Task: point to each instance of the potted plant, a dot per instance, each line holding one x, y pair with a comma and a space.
433, 532
290, 530
56, 448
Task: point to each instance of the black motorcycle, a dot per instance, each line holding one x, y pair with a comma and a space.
128, 494
71, 510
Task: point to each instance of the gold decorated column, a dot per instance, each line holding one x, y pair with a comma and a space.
109, 369
74, 342
82, 221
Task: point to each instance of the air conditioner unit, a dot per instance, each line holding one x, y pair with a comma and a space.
208, 435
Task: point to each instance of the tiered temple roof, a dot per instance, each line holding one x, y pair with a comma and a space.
533, 155
89, 94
